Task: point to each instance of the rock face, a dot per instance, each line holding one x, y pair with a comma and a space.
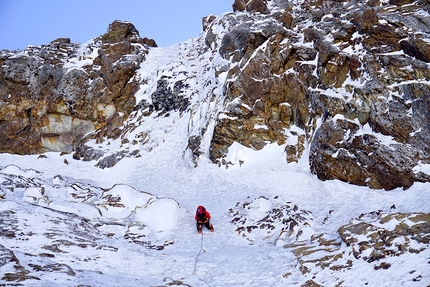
251, 6
376, 240
380, 238
345, 82
271, 220
164, 99
51, 96
355, 87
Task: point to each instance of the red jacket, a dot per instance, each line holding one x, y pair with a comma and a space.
202, 217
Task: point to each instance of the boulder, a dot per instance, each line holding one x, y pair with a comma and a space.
119, 31
373, 3
286, 18
207, 21
417, 48
237, 43
365, 20
239, 5
149, 42
257, 6
338, 152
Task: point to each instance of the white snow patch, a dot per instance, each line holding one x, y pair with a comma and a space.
259, 208
424, 168
162, 215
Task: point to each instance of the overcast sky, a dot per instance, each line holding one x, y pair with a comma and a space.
37, 22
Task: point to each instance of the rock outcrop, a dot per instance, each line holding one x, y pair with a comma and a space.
350, 79
271, 220
386, 235
345, 82
259, 6
381, 239
52, 95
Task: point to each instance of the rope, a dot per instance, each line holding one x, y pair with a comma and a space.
198, 254
202, 280
195, 262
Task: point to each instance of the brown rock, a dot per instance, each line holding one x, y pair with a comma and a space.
383, 239
266, 103
60, 41
120, 31
416, 48
257, 6
355, 68
149, 42
335, 70
240, 43
373, 3
311, 283
365, 20
369, 19
400, 2
207, 21
365, 162
239, 5
287, 19
382, 39
60, 106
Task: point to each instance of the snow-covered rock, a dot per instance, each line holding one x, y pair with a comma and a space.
279, 72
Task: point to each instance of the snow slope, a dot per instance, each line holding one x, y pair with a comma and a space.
222, 258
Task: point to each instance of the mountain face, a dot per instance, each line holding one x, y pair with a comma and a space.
346, 83
54, 94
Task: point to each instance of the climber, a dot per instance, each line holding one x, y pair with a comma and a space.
202, 217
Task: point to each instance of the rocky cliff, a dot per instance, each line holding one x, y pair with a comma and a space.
52, 95
346, 83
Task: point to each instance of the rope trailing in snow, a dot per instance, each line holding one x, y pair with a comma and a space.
198, 254
195, 262
202, 280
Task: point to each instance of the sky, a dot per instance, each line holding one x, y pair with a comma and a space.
30, 22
